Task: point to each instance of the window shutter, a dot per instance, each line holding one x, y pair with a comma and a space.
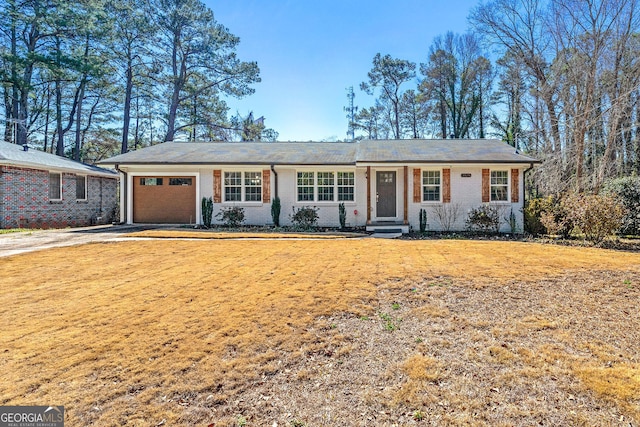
515, 185
417, 186
217, 186
446, 185
486, 182
266, 186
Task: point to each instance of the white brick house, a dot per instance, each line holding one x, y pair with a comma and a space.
379, 182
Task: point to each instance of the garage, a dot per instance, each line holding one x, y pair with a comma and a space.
164, 199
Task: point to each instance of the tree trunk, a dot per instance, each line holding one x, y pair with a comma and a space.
127, 107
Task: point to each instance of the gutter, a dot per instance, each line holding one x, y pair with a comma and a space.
275, 175
123, 191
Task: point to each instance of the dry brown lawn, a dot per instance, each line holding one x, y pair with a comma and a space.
334, 332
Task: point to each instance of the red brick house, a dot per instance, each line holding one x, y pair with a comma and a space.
42, 190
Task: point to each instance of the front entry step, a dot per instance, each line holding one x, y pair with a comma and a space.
388, 228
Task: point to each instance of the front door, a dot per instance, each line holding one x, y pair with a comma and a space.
386, 194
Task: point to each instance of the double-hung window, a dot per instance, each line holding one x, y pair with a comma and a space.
499, 186
325, 186
243, 186
55, 186
81, 187
431, 186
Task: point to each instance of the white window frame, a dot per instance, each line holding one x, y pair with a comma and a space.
53, 199
343, 185
243, 186
423, 185
86, 190
315, 184
492, 185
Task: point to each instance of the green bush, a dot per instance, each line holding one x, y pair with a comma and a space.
275, 211
231, 216
207, 211
533, 210
342, 216
596, 216
627, 191
423, 220
485, 218
305, 217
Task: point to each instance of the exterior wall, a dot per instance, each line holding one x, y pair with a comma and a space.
25, 200
466, 194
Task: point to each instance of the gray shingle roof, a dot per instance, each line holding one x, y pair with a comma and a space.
14, 155
324, 153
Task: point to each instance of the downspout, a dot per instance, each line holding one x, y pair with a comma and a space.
524, 194
123, 195
275, 176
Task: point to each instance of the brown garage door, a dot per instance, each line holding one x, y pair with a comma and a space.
164, 199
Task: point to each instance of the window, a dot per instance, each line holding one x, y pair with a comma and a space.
499, 186
305, 186
346, 186
81, 187
431, 186
180, 181
150, 181
55, 186
326, 186
242, 186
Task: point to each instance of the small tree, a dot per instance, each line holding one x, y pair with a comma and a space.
275, 211
207, 211
447, 214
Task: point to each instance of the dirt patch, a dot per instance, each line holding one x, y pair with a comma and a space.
336, 332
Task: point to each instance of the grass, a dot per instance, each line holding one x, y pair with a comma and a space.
195, 332
16, 230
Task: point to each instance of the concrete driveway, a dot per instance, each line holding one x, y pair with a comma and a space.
29, 241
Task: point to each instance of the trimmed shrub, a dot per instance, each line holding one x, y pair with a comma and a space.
342, 215
207, 211
275, 211
232, 216
485, 218
305, 218
596, 216
423, 220
627, 191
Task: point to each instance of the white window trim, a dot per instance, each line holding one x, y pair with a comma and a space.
243, 193
335, 200
86, 189
60, 189
504, 202
422, 185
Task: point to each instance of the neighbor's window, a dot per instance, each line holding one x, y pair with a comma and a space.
55, 186
150, 181
431, 186
306, 181
499, 186
242, 186
81, 187
181, 181
326, 186
346, 186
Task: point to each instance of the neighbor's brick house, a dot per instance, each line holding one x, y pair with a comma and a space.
41, 190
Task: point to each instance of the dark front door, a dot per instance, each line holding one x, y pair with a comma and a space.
386, 194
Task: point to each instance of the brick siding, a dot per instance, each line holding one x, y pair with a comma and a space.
24, 200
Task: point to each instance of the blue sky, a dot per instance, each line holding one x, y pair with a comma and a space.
310, 52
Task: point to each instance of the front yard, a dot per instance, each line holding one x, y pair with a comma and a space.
333, 332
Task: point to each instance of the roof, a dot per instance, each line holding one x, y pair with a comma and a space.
15, 155
324, 153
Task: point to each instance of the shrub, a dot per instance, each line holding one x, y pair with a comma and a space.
447, 214
275, 211
533, 211
305, 218
485, 218
232, 216
423, 220
628, 192
342, 215
207, 211
512, 221
596, 216
556, 219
